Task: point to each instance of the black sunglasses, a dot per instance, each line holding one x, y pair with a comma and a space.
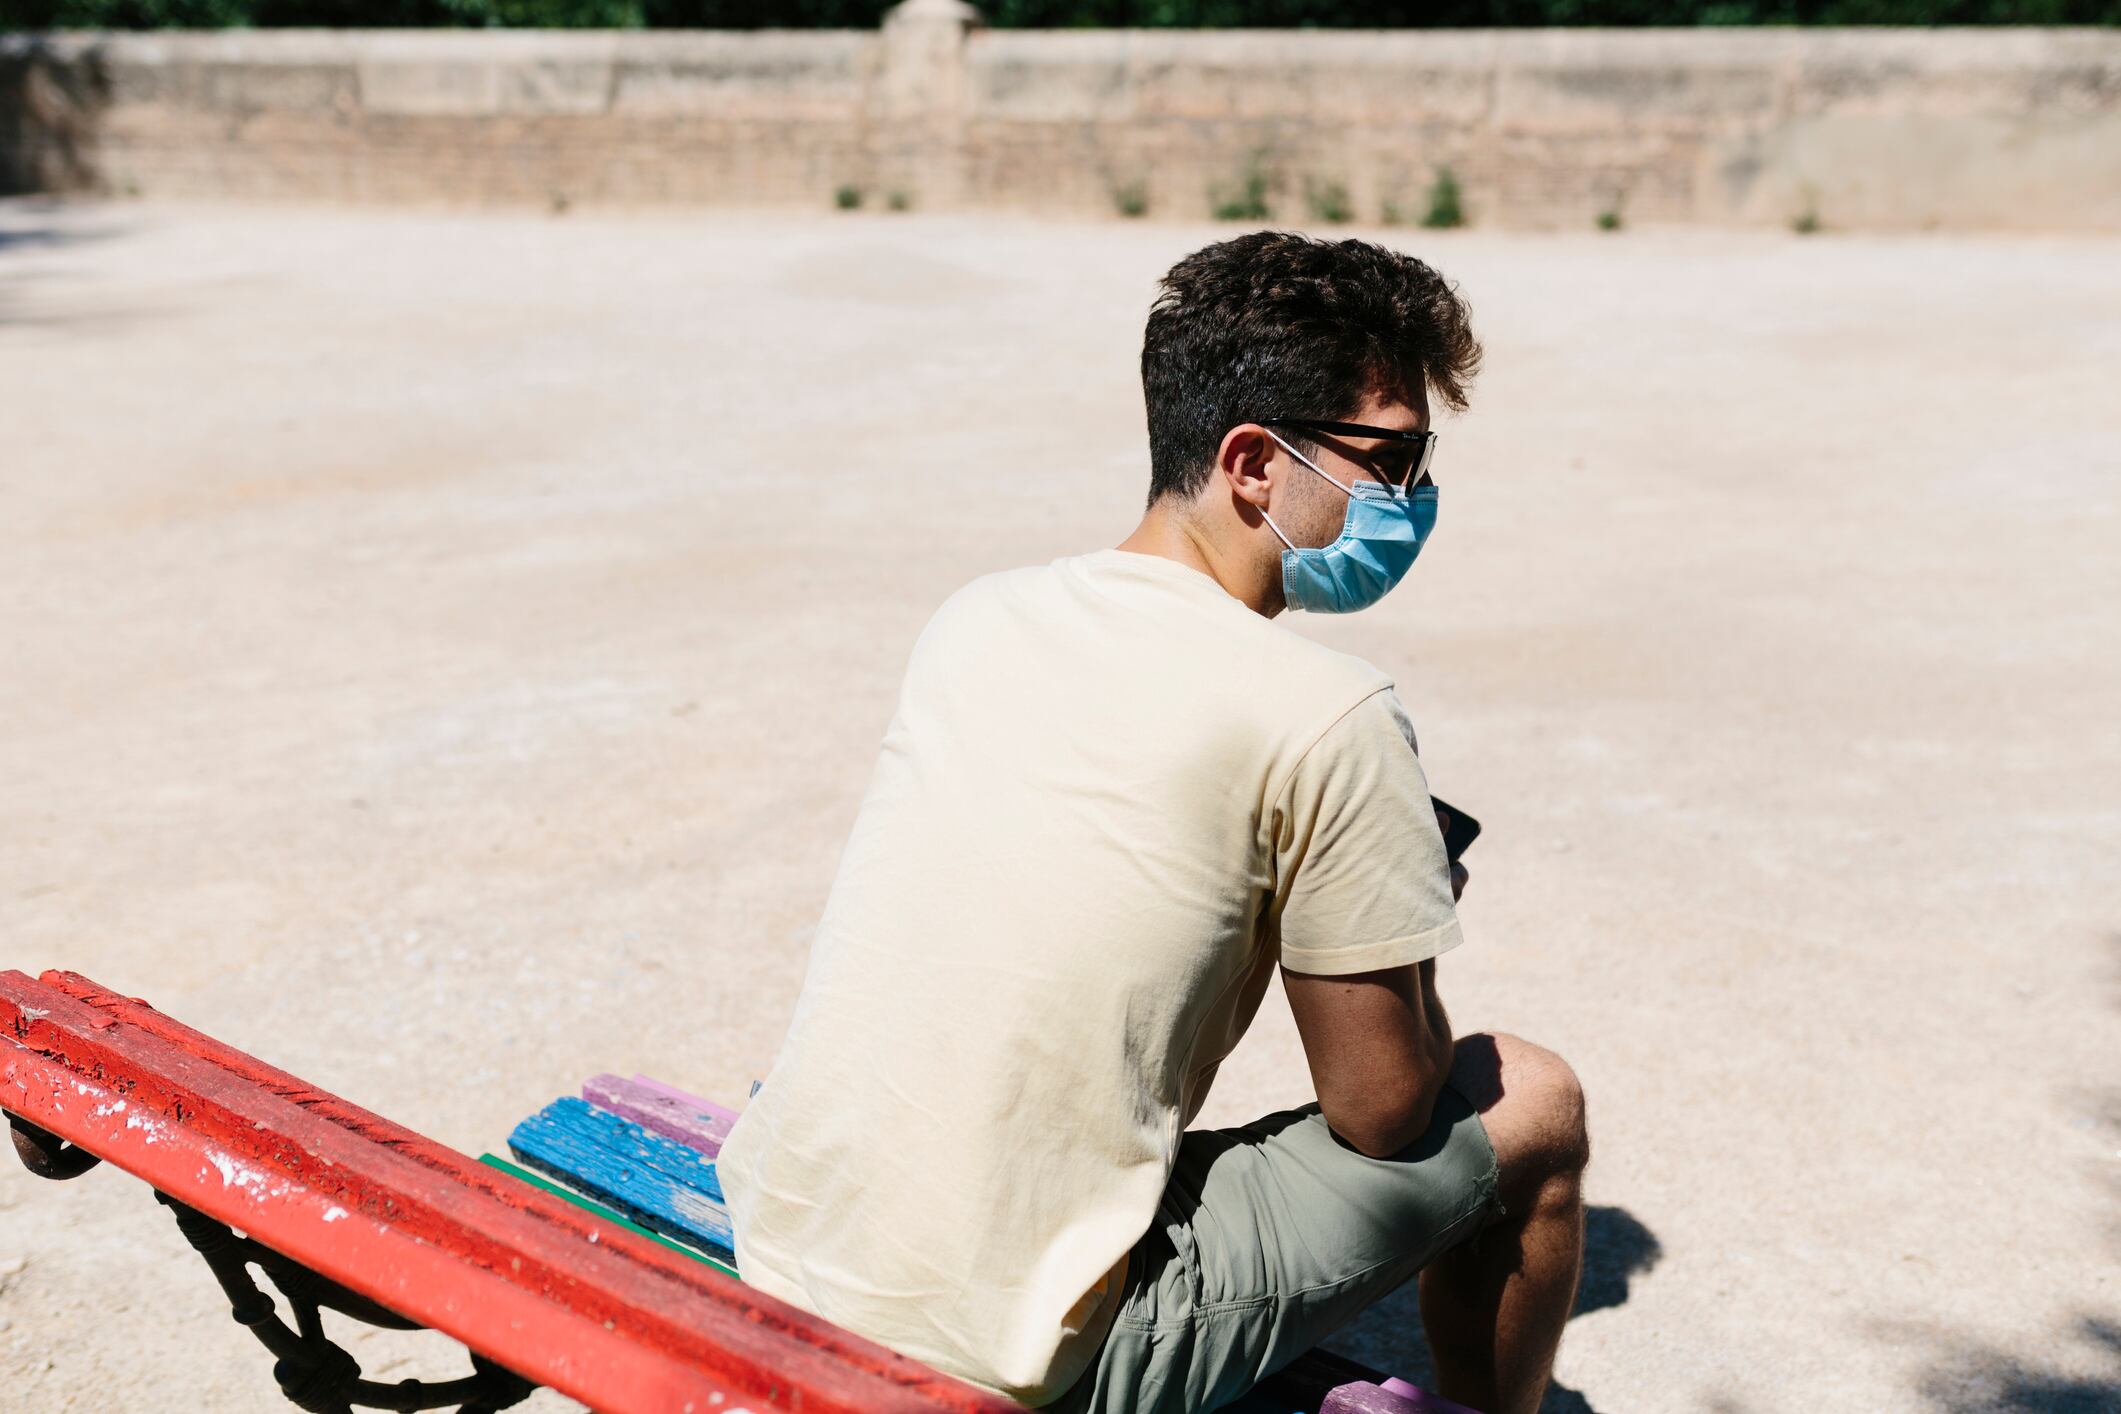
1423, 443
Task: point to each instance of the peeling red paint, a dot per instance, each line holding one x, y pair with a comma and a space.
520, 1276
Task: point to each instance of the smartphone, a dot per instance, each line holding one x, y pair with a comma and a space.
1464, 829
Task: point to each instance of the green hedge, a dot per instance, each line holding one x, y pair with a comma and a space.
1054, 14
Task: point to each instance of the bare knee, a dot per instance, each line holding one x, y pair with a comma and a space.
1532, 1105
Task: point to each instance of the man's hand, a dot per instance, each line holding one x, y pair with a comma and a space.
1458, 871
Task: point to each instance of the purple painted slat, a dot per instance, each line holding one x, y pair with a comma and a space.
686, 1097
654, 1108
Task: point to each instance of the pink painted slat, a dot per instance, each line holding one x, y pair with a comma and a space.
1391, 1397
681, 1120
686, 1097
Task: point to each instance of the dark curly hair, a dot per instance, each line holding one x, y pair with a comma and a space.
1276, 322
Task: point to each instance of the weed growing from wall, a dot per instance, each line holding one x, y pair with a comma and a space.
1445, 206
1806, 221
1247, 201
1329, 202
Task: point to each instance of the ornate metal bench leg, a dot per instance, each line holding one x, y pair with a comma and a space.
312, 1372
45, 1154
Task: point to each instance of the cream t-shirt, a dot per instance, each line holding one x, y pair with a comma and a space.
1111, 798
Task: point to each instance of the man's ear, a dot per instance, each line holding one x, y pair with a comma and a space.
1245, 461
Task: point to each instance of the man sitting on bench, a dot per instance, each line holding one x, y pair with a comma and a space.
1114, 797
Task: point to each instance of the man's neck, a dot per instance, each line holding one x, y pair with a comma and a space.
1167, 533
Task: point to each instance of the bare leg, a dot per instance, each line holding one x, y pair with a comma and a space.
1494, 1307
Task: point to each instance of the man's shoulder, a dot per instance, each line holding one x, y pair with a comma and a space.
1027, 597
1190, 622
1337, 675
989, 594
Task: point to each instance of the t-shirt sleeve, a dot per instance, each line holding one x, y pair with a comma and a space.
1360, 877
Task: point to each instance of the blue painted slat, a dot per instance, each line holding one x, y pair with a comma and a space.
657, 1183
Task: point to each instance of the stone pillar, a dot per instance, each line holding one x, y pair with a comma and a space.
918, 133
52, 99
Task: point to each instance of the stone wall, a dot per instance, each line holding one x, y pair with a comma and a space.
527, 116
1992, 128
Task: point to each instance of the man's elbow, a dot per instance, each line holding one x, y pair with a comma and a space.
1382, 1125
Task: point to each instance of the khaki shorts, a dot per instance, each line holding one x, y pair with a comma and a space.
1270, 1237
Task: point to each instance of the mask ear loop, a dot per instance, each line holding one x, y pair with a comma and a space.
1307, 462
1344, 490
1263, 509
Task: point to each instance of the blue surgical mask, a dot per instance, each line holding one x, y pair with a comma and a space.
1379, 538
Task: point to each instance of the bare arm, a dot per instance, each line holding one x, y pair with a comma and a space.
1379, 1045
1368, 875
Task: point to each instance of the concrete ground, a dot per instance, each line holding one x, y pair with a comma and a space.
443, 654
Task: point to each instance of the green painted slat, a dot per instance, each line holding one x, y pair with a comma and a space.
537, 1180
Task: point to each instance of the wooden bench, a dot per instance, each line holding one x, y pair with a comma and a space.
597, 1261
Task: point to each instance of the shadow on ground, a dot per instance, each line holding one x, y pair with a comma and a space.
1388, 1335
1983, 1379
1969, 1376
34, 225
